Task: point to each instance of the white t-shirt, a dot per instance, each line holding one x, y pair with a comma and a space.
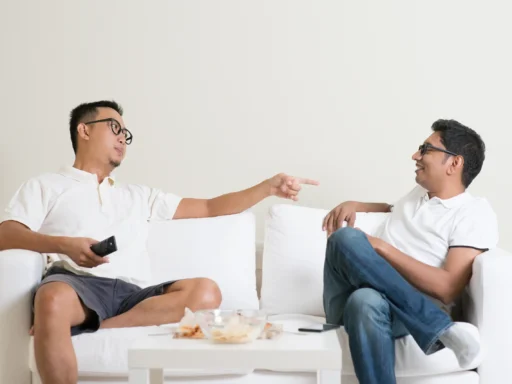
72, 203
426, 228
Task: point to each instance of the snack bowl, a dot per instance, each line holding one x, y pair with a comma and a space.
231, 326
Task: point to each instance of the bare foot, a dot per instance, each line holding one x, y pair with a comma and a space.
31, 331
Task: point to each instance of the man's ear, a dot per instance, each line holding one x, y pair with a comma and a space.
457, 165
83, 131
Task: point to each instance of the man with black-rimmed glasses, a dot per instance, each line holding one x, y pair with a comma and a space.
63, 214
404, 278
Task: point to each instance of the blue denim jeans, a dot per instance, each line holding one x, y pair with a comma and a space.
376, 305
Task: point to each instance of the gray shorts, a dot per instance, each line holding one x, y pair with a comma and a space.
103, 297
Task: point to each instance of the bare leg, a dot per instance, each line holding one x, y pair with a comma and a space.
168, 308
57, 308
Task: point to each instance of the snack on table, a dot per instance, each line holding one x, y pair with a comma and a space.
237, 329
188, 327
271, 331
189, 332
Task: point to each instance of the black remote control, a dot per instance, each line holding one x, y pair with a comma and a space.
105, 247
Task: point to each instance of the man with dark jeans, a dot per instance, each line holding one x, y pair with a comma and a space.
404, 279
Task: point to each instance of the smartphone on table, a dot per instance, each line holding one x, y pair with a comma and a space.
319, 327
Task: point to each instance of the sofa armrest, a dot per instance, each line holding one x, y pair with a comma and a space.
20, 272
490, 309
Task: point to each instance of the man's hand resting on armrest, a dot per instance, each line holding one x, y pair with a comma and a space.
347, 212
14, 235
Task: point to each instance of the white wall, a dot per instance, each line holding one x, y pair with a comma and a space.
221, 94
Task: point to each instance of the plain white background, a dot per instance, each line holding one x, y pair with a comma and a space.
222, 94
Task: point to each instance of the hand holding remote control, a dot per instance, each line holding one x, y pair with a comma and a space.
79, 250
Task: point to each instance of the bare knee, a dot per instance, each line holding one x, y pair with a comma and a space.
204, 294
209, 292
199, 293
58, 301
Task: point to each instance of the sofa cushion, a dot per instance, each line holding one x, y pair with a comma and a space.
410, 360
220, 248
104, 353
293, 258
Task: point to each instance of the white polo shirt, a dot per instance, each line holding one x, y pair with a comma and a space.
426, 228
72, 203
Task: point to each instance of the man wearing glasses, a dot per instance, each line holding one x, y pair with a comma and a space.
63, 214
404, 279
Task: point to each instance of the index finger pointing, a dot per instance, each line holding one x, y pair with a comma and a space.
302, 180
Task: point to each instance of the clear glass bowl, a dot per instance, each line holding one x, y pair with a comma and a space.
231, 326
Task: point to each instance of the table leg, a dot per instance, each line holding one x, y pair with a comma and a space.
328, 377
156, 376
138, 376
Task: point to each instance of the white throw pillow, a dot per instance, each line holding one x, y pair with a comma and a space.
293, 258
221, 248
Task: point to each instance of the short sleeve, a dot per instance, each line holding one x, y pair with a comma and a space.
162, 205
29, 205
475, 226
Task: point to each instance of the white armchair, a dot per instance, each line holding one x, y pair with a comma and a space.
294, 253
20, 272
488, 306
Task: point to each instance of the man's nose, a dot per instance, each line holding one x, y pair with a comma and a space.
416, 155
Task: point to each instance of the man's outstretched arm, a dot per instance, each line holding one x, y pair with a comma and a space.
281, 185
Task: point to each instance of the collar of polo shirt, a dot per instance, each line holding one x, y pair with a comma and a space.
83, 176
447, 203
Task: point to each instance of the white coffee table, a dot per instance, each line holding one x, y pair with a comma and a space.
321, 352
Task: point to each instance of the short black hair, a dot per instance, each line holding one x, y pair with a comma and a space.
465, 142
88, 111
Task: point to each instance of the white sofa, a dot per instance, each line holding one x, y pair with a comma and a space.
224, 249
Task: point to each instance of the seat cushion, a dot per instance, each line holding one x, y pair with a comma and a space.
220, 248
410, 359
104, 353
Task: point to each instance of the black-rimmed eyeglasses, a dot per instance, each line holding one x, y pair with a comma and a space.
116, 128
424, 148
